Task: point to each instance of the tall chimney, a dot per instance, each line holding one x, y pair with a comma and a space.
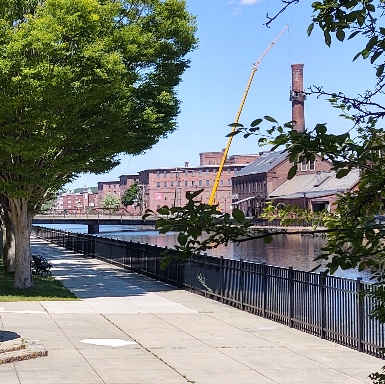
297, 97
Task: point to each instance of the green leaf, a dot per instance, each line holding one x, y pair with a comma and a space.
310, 29
354, 34
256, 122
328, 39
372, 42
182, 238
340, 34
238, 215
292, 172
269, 118
375, 56
192, 195
163, 210
235, 125
380, 70
370, 7
357, 56
231, 134
321, 129
342, 173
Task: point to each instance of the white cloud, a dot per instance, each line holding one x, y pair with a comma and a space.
248, 2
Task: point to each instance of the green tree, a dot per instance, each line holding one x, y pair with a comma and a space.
82, 81
130, 195
111, 202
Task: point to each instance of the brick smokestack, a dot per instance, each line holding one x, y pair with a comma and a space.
297, 97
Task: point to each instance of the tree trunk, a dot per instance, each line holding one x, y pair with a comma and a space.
22, 224
8, 247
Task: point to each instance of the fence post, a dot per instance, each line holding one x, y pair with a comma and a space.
322, 304
190, 278
221, 277
131, 268
241, 284
204, 271
291, 295
138, 254
156, 262
264, 289
360, 315
177, 273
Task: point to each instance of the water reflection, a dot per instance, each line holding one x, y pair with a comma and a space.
297, 251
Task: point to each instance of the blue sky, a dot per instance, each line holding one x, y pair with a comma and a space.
231, 38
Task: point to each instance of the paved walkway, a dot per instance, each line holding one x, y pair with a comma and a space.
130, 329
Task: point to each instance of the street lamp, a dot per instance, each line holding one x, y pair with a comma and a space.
304, 206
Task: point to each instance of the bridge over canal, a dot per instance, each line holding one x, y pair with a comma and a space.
92, 221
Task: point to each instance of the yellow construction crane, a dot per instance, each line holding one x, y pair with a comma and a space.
224, 157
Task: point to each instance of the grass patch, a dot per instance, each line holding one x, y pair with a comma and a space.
45, 288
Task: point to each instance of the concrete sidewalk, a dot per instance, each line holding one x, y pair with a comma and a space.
130, 329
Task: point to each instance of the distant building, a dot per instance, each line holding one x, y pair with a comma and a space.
117, 188
125, 182
315, 191
75, 202
253, 184
105, 187
168, 186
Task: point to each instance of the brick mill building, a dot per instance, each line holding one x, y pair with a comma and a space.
117, 188
75, 202
253, 184
168, 186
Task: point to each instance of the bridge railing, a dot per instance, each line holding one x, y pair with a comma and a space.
329, 307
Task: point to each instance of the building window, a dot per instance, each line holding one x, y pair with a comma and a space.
158, 206
192, 173
172, 183
178, 183
304, 165
311, 165
221, 182
192, 182
207, 183
165, 174
158, 184
200, 172
207, 172
157, 173
200, 183
228, 181
186, 183
165, 184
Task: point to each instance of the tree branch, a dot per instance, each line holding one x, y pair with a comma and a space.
287, 2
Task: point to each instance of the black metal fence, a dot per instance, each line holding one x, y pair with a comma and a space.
330, 307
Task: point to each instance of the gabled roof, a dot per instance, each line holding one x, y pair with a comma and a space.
317, 184
264, 163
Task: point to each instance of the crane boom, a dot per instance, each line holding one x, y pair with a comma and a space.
224, 157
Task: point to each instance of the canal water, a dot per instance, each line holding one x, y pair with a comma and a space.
297, 251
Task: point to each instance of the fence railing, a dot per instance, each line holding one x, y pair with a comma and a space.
329, 307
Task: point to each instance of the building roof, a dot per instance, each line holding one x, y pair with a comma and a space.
264, 163
183, 168
317, 184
